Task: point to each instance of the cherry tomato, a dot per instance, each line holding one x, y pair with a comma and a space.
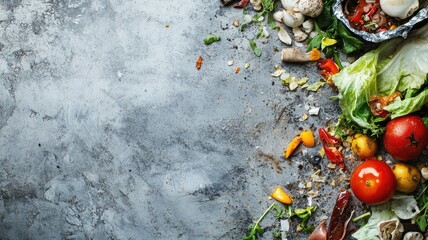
405, 137
373, 182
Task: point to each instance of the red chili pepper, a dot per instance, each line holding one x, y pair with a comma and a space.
327, 138
241, 4
334, 156
328, 65
328, 142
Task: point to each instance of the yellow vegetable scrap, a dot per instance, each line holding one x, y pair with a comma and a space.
308, 138
292, 146
281, 196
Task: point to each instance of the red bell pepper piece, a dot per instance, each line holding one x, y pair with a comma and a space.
241, 4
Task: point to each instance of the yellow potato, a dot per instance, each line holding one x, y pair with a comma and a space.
363, 146
408, 177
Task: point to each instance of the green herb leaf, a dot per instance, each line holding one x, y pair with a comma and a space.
257, 51
276, 234
212, 38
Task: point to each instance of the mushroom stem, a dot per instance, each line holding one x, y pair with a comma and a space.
297, 55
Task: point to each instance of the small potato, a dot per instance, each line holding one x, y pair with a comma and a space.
408, 177
363, 146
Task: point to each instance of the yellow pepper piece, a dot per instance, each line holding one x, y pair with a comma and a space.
292, 146
308, 138
326, 42
279, 195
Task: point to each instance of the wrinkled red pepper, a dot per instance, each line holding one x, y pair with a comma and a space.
328, 138
329, 144
340, 217
241, 4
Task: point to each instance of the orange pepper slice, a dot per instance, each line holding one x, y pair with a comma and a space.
308, 138
281, 196
292, 146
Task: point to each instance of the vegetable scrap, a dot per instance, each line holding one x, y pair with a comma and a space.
330, 144
381, 85
212, 38
280, 195
292, 146
199, 63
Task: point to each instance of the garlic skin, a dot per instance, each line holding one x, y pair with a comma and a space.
399, 8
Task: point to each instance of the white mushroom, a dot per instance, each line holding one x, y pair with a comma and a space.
424, 173
390, 229
299, 35
399, 8
292, 18
284, 36
257, 4
308, 26
278, 16
413, 236
289, 4
311, 8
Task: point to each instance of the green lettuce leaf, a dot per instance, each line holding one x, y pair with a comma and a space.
397, 65
379, 213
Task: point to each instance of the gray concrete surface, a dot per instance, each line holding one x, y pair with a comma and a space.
108, 131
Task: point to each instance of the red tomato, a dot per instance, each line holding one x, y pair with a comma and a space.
373, 182
405, 137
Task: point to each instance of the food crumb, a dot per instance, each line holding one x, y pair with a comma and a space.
199, 63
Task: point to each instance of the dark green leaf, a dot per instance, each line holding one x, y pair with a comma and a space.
315, 42
350, 43
326, 17
210, 39
422, 223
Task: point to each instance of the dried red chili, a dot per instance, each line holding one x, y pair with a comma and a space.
340, 217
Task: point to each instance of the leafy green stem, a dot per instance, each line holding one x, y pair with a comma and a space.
356, 219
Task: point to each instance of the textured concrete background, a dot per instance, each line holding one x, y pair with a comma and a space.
108, 131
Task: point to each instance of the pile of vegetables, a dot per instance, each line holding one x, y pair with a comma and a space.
388, 82
382, 95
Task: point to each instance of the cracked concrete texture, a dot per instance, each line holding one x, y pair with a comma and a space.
108, 131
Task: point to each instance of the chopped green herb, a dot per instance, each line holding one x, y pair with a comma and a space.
256, 230
212, 38
257, 51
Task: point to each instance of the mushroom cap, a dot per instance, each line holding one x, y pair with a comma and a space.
399, 8
311, 8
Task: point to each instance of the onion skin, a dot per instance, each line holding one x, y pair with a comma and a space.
320, 232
